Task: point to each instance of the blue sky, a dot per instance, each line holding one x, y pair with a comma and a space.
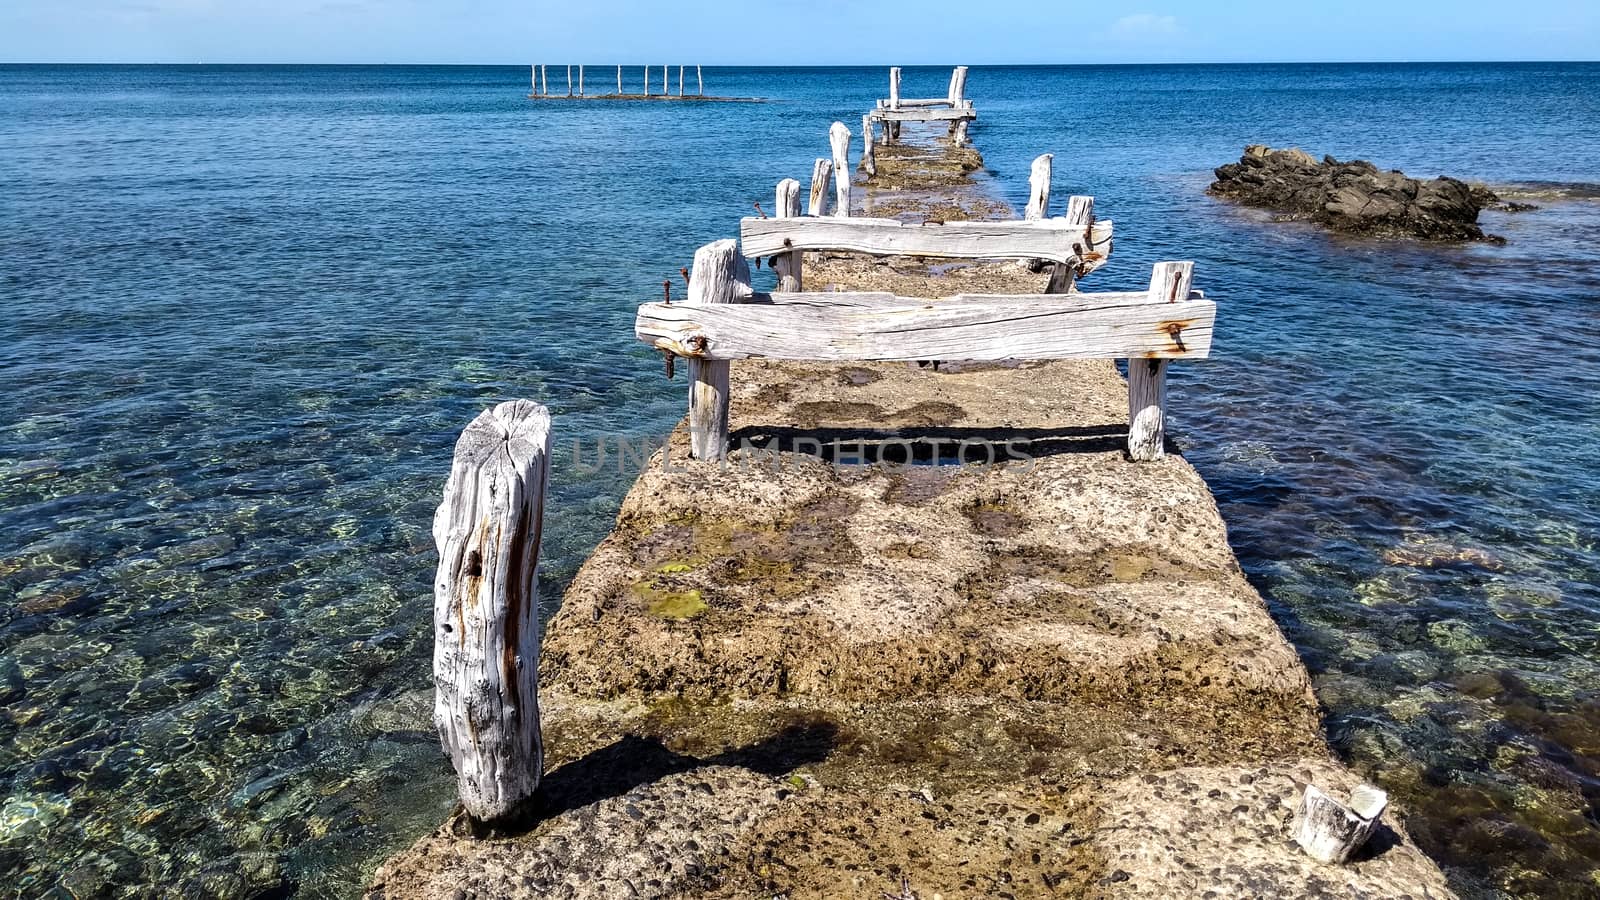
822, 32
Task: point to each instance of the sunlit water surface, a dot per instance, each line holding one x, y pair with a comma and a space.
246, 311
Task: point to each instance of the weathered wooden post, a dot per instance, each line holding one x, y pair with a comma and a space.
894, 87
1147, 378
647, 81
869, 154
1080, 214
958, 86
1331, 832
580, 80
720, 275
788, 265
569, 81
1039, 187
666, 89
700, 80
619, 81
533, 75
839, 137
821, 175
486, 608
544, 78
680, 81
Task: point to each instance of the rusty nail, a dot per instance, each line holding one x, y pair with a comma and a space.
759, 209
666, 291
1175, 331
667, 355
684, 271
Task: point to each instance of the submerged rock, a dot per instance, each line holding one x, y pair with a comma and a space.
1355, 196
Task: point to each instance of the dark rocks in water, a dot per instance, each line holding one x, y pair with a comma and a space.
1355, 196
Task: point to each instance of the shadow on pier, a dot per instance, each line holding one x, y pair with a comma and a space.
634, 761
941, 445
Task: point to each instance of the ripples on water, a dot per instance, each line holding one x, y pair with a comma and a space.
247, 310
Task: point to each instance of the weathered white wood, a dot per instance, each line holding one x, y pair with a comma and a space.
534, 76
1170, 281
869, 153
569, 81
924, 115
909, 102
894, 87
813, 326
619, 81
788, 265
666, 75
958, 84
544, 79
817, 204
1055, 240
720, 279
1039, 187
580, 81
839, 137
958, 132
647, 81
1147, 378
885, 299
700, 80
1080, 217
486, 608
1330, 831
680, 81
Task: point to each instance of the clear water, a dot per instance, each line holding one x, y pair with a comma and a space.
246, 310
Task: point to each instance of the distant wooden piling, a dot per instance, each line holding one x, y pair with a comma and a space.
680, 81
647, 81
1147, 378
720, 275
894, 87
700, 80
869, 154
580, 81
533, 76
569, 81
839, 137
544, 79
486, 608
619, 81
788, 265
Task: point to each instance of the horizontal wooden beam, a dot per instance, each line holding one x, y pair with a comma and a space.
924, 115
815, 326
926, 102
1057, 239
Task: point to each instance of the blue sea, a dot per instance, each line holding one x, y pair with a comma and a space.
244, 311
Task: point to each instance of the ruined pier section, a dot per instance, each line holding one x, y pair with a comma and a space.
823, 673
654, 83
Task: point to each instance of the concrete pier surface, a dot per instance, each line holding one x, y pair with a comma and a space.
805, 677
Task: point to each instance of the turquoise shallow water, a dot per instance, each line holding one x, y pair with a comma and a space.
246, 310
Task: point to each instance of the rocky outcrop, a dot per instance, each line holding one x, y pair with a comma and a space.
1355, 196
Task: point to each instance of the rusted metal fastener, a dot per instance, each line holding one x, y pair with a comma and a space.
1175, 331
666, 291
759, 210
684, 271
670, 359
696, 343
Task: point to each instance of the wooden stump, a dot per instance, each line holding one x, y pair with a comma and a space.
486, 608
1332, 832
1147, 378
894, 87
1039, 187
821, 175
839, 137
788, 265
720, 275
1080, 214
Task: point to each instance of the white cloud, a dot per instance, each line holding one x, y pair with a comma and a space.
1144, 25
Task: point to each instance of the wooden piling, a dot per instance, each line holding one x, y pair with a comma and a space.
533, 76
580, 81
1064, 275
700, 80
839, 137
869, 154
1330, 831
894, 87
1147, 378
544, 79
720, 275
788, 265
569, 81
958, 85
619, 81
647, 81
1039, 187
821, 178
680, 81
486, 608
